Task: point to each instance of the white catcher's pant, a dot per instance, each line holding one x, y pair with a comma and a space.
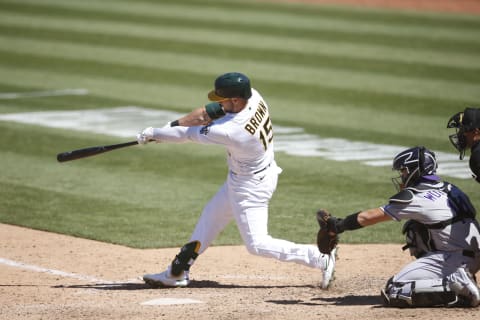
246, 200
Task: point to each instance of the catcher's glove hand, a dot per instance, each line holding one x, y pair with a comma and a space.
327, 238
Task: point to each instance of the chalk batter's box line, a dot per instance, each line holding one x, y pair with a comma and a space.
30, 267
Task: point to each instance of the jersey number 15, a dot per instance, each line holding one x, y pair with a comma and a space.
266, 133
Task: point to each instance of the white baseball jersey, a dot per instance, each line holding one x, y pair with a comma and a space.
248, 139
247, 136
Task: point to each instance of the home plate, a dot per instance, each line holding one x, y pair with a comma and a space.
169, 301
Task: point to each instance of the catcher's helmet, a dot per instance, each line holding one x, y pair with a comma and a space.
464, 121
418, 162
231, 85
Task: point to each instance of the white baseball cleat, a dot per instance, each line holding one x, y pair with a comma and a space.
329, 268
166, 279
466, 287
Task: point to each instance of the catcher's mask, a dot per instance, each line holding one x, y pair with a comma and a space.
463, 122
413, 164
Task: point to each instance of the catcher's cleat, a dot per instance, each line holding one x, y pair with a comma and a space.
166, 279
466, 287
385, 297
329, 268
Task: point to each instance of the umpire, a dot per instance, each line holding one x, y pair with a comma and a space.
467, 124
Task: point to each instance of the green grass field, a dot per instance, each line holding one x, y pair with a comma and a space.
376, 76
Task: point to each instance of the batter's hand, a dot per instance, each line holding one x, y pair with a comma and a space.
327, 238
145, 136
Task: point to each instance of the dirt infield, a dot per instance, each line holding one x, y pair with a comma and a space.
51, 276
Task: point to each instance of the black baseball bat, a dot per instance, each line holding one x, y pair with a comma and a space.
91, 151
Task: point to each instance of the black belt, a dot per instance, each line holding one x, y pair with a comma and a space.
263, 169
468, 253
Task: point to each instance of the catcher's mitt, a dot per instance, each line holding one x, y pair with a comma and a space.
327, 238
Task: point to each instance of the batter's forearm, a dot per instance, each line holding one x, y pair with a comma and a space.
197, 117
171, 135
201, 116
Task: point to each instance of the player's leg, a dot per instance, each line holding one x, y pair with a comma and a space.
250, 207
215, 216
434, 280
252, 225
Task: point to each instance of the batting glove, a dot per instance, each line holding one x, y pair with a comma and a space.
146, 136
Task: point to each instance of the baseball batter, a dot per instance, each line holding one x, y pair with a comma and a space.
441, 231
238, 119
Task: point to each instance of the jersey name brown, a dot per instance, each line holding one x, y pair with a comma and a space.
261, 121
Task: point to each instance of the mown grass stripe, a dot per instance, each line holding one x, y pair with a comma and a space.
169, 85
352, 13
89, 101
162, 93
360, 85
262, 10
259, 48
163, 50
43, 93
136, 64
247, 19
197, 29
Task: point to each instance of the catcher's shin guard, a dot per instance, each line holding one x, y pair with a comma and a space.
419, 293
186, 257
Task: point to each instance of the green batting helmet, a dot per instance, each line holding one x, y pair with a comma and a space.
231, 85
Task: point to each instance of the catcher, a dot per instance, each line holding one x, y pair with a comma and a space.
441, 232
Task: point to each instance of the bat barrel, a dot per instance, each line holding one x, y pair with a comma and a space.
91, 151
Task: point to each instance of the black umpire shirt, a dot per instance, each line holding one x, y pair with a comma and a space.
475, 160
